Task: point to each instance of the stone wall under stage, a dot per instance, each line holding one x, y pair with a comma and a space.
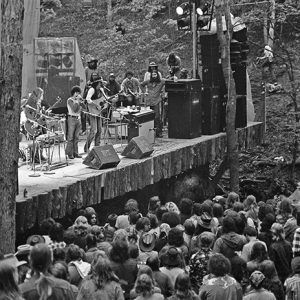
168, 160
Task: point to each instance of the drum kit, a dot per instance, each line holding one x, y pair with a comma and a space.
46, 131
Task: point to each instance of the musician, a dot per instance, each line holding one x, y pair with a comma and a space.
174, 63
155, 87
91, 67
74, 122
94, 98
152, 67
131, 89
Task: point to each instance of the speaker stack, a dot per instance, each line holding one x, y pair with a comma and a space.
214, 87
214, 93
184, 108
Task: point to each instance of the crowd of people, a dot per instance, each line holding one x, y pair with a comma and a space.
226, 248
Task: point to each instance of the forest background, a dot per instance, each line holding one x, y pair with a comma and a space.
148, 31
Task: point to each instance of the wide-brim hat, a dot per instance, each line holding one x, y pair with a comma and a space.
13, 261
152, 64
35, 239
172, 257
205, 220
147, 242
89, 58
23, 250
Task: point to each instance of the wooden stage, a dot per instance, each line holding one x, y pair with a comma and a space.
76, 185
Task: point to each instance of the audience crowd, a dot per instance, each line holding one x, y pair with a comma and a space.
220, 249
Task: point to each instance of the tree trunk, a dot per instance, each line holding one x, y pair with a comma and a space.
222, 8
272, 24
10, 97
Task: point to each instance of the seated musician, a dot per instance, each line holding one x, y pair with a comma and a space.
131, 89
74, 122
95, 98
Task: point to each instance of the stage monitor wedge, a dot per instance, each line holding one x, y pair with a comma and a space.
137, 148
102, 157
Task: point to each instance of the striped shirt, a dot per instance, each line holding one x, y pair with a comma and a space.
292, 286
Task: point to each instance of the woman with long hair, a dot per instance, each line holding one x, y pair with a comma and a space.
145, 289
42, 285
258, 255
144, 269
103, 283
8, 282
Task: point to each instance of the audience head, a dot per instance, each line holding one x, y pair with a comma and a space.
238, 268
250, 232
189, 227
143, 224
231, 199
59, 254
73, 253
267, 267
144, 285
46, 226
259, 252
40, 258
8, 280
133, 251
277, 232
91, 241
57, 232
102, 272
171, 218
172, 207
186, 206
131, 205
153, 221
175, 237
119, 251
154, 204
153, 262
217, 210
182, 285
219, 265
256, 279
111, 219
229, 225
60, 270
134, 216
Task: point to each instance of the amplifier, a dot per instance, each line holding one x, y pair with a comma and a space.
141, 124
183, 85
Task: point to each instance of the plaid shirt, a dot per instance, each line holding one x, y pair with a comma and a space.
296, 243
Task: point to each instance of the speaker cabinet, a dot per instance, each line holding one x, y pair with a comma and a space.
102, 157
240, 79
184, 108
137, 148
211, 110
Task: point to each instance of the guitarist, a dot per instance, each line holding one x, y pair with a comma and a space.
95, 99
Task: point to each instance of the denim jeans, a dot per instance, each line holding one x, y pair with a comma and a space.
158, 124
74, 126
95, 132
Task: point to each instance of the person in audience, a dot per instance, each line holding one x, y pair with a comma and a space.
42, 285
239, 271
59, 270
124, 267
154, 225
110, 227
145, 289
92, 250
265, 234
77, 268
163, 280
45, 228
146, 245
183, 289
230, 242
272, 282
144, 269
172, 263
257, 291
280, 252
218, 284
199, 261
154, 205
292, 283
186, 209
122, 221
9, 289
56, 235
258, 255
251, 236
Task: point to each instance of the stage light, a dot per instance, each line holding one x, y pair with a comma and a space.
182, 9
184, 16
